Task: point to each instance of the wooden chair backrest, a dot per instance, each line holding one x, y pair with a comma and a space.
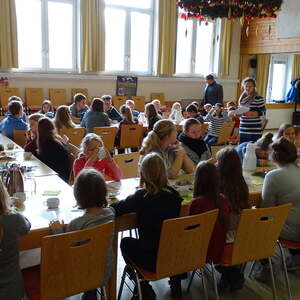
214, 150
139, 102
34, 97
257, 233
118, 101
83, 91
297, 129
225, 133
6, 92
159, 96
74, 262
183, 243
58, 96
19, 137
204, 128
33, 239
108, 135
264, 123
131, 135
128, 164
179, 128
75, 135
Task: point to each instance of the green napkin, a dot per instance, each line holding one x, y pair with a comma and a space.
51, 193
257, 182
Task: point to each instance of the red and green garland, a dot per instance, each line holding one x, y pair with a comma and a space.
230, 9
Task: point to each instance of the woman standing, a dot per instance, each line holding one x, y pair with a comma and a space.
251, 121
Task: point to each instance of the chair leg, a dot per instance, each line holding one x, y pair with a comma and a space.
215, 280
287, 281
251, 269
273, 280
122, 282
190, 282
136, 233
204, 284
103, 293
138, 284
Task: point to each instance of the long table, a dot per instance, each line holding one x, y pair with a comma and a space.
45, 179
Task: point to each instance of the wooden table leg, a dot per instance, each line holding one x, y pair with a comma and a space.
112, 285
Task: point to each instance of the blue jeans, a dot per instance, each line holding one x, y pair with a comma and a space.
249, 137
210, 139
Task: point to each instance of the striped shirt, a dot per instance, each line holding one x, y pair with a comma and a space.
253, 125
215, 123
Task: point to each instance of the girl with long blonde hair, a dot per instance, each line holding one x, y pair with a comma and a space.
163, 141
12, 226
63, 118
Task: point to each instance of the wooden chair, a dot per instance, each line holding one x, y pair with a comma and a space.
5, 93
264, 123
75, 135
182, 247
214, 150
19, 137
118, 101
131, 136
58, 96
34, 98
108, 135
128, 163
225, 133
256, 238
70, 263
159, 96
139, 102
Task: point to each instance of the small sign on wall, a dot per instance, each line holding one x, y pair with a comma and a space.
126, 86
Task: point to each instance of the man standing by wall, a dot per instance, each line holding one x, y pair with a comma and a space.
213, 91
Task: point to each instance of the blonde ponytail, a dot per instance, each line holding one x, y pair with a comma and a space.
161, 129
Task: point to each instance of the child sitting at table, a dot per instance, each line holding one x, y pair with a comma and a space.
191, 140
155, 202
216, 117
12, 226
234, 187
47, 109
128, 118
13, 120
207, 197
90, 194
176, 114
94, 155
31, 136
63, 118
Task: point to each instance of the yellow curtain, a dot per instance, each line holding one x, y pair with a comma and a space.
93, 35
8, 35
167, 37
226, 38
296, 66
262, 75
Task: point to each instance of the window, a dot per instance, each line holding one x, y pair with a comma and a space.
278, 77
129, 35
196, 47
46, 34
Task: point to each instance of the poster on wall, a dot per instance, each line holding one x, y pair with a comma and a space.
126, 86
3, 81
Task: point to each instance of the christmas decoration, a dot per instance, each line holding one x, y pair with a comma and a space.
231, 9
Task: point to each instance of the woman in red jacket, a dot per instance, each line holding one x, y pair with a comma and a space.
95, 156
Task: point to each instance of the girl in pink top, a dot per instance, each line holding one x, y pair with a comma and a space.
95, 156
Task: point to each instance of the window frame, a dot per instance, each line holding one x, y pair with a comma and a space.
275, 58
127, 46
45, 41
214, 51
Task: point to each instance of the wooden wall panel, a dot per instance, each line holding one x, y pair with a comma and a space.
260, 37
